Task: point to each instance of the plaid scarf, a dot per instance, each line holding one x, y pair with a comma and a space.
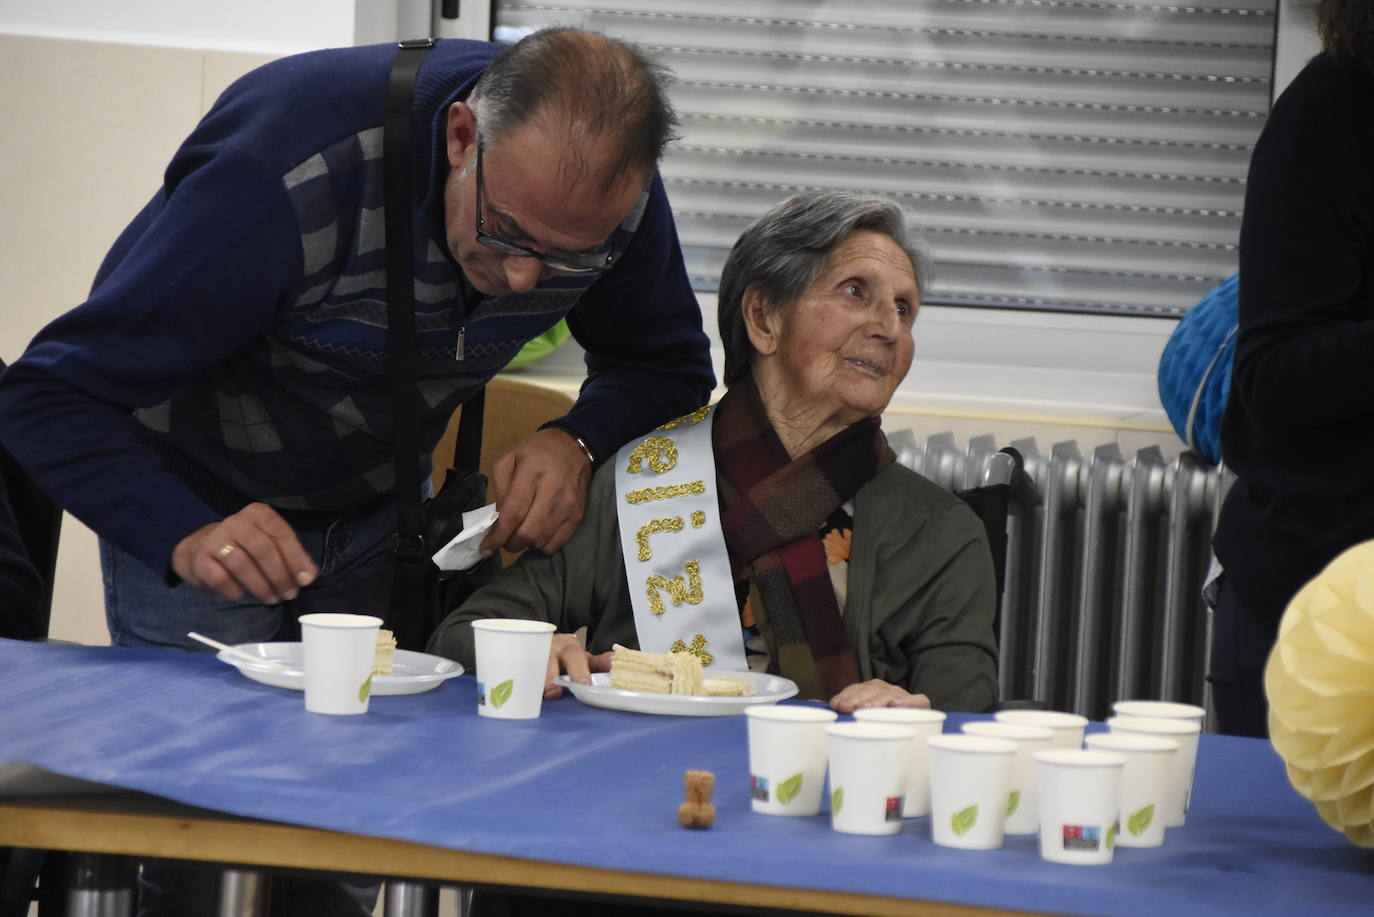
773, 509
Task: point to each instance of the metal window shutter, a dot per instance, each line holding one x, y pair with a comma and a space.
1082, 155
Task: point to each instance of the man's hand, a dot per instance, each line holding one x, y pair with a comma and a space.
876, 693
540, 490
253, 551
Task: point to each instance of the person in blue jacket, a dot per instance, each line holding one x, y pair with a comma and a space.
218, 410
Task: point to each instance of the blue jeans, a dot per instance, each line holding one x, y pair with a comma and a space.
354, 556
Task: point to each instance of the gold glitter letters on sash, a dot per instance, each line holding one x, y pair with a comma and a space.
665, 493
698, 519
659, 451
670, 524
697, 649
689, 592
693, 418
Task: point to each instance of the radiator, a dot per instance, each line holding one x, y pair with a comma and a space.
1102, 597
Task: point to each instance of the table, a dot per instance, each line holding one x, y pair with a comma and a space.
584, 799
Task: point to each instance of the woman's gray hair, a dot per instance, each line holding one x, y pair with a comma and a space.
783, 252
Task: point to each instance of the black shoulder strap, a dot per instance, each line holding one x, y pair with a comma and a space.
401, 306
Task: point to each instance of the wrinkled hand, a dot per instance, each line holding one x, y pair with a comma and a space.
254, 551
540, 490
876, 693
567, 655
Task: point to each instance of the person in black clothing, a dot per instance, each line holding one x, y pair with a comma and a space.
1298, 429
21, 588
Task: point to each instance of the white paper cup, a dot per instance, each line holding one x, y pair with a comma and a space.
1023, 806
512, 663
923, 724
1080, 799
1145, 783
1067, 727
787, 757
1185, 733
337, 651
869, 765
1160, 709
970, 781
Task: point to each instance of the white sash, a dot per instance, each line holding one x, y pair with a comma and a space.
675, 559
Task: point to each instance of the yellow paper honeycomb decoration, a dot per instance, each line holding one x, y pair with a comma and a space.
1320, 683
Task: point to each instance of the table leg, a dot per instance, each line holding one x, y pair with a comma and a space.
242, 893
411, 899
99, 885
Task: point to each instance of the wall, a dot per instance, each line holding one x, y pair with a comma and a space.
88, 126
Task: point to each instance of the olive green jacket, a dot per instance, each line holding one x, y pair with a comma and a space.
920, 605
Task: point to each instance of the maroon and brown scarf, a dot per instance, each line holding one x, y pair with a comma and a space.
773, 509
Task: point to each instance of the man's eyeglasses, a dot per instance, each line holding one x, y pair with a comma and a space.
584, 263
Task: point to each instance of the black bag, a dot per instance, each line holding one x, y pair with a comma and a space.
421, 594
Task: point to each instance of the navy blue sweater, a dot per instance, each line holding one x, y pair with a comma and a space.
233, 348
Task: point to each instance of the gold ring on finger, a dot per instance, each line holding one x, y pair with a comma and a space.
225, 551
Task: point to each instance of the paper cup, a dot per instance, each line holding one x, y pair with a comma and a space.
1023, 806
1185, 733
1067, 727
787, 757
970, 781
1080, 798
512, 664
1144, 783
923, 724
337, 651
869, 766
1159, 709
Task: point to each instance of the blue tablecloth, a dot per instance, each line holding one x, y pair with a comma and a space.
601, 788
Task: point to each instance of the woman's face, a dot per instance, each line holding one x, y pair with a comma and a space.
841, 349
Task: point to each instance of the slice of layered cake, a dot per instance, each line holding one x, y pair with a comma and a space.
386, 652
656, 673
669, 673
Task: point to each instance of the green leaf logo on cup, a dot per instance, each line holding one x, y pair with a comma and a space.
1013, 803
837, 800
1111, 834
1137, 823
365, 689
789, 788
501, 693
962, 822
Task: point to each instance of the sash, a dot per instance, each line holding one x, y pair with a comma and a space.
676, 562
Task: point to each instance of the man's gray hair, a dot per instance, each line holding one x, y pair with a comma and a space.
783, 252
594, 84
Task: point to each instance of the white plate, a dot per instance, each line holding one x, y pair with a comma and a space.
413, 673
768, 689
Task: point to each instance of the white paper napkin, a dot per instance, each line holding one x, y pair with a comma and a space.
461, 553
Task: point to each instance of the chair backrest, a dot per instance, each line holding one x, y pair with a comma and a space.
1009, 484
514, 410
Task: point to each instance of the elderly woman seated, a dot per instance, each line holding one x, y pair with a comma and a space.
773, 530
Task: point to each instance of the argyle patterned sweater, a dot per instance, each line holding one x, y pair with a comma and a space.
234, 345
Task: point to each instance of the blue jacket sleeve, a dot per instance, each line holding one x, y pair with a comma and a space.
648, 359
200, 271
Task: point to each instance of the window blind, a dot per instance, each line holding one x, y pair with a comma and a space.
1068, 155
